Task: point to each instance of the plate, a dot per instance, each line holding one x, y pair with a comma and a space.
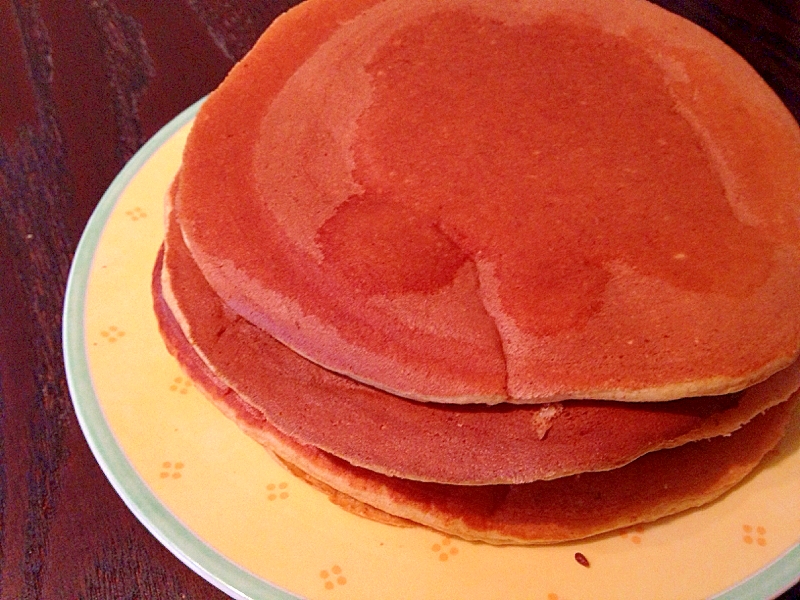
239, 519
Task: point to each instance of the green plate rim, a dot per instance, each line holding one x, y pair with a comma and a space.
770, 582
165, 526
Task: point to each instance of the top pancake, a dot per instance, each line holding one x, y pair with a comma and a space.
512, 201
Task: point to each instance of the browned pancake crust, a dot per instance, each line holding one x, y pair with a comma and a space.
426, 441
656, 485
602, 206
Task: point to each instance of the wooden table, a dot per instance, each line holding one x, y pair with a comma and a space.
83, 84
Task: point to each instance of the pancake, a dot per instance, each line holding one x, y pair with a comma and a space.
656, 485
461, 201
424, 441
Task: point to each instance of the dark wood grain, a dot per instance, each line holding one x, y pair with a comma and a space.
766, 33
82, 85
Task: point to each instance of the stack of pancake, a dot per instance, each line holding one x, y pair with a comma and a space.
520, 271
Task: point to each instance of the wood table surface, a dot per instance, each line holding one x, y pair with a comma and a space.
83, 84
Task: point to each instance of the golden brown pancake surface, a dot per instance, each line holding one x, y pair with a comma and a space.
427, 441
483, 202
